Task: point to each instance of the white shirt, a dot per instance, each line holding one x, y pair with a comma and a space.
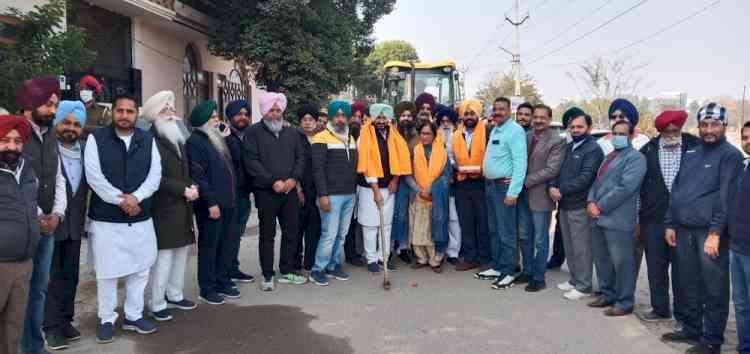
121, 249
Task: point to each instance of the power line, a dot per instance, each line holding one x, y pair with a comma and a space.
484, 48
574, 24
621, 14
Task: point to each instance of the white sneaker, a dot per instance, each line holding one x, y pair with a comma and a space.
566, 286
505, 283
575, 295
489, 274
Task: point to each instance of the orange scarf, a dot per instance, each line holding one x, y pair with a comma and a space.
427, 172
369, 160
478, 145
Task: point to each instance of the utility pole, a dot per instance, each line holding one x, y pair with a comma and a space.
742, 119
516, 53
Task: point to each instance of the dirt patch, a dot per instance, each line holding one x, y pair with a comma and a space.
236, 329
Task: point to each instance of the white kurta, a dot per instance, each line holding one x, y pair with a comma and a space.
121, 249
367, 210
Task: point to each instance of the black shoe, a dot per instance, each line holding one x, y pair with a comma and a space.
229, 293
404, 256
517, 268
523, 279
162, 316
453, 260
241, 277
184, 304
56, 341
212, 299
391, 265
357, 262
70, 332
680, 337
535, 286
554, 265
105, 333
704, 349
652, 316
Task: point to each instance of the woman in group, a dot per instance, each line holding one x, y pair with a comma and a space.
428, 211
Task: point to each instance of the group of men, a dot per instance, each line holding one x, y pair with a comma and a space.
339, 189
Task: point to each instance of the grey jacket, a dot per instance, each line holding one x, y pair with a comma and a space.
615, 191
544, 165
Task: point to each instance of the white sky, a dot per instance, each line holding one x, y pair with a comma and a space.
705, 56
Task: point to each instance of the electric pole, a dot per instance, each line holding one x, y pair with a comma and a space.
516, 53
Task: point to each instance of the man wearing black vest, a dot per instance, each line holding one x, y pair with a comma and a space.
60, 306
38, 98
18, 220
123, 169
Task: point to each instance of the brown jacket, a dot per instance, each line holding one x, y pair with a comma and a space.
172, 213
544, 165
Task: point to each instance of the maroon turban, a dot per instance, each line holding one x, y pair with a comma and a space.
666, 118
90, 82
36, 92
361, 106
425, 98
8, 123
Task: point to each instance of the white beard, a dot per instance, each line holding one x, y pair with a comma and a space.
274, 125
214, 136
172, 130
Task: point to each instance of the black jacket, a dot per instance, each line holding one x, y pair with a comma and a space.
704, 189
75, 214
577, 173
334, 164
212, 172
234, 143
654, 192
18, 215
269, 158
739, 219
308, 181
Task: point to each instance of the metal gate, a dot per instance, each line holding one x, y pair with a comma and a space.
231, 89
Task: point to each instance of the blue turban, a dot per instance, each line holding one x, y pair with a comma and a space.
627, 108
381, 108
445, 111
234, 107
337, 105
67, 107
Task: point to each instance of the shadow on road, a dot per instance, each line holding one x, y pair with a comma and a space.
236, 329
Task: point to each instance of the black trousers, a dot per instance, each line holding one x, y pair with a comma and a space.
354, 244
659, 256
704, 285
216, 249
284, 208
309, 232
59, 307
558, 251
471, 207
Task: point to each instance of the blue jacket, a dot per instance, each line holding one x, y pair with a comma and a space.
704, 189
615, 191
577, 173
213, 172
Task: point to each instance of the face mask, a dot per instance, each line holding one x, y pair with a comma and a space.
620, 142
10, 158
87, 96
672, 140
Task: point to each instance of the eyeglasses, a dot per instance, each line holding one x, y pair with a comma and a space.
620, 134
618, 116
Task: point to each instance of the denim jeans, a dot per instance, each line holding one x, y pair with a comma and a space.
525, 232
400, 228
503, 227
243, 214
704, 285
334, 227
535, 248
615, 265
740, 270
33, 339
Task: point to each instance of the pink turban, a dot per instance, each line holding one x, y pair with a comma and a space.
268, 99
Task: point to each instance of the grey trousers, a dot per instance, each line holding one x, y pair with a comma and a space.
576, 231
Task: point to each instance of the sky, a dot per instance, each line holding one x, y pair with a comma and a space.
705, 56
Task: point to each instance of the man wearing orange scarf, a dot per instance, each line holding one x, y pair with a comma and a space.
469, 143
383, 158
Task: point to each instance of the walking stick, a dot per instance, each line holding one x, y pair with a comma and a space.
384, 250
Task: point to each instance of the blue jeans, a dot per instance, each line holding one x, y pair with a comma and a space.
740, 269
615, 265
400, 226
535, 248
33, 340
243, 214
334, 227
525, 231
503, 227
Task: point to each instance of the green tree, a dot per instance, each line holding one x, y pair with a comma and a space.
307, 49
390, 50
42, 47
503, 84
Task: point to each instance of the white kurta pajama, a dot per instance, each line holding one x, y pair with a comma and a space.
121, 249
369, 217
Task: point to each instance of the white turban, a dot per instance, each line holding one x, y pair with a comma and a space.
155, 104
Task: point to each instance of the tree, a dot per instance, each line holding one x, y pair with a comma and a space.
307, 49
367, 80
42, 47
503, 84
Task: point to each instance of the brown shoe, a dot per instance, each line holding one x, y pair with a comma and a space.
615, 312
599, 303
418, 265
464, 266
438, 269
